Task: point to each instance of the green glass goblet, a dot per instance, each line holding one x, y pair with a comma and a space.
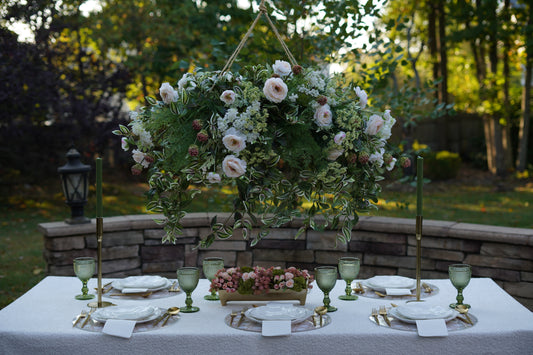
349, 269
210, 267
460, 277
326, 277
188, 280
84, 268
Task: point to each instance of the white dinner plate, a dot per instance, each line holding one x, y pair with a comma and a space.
382, 282
279, 312
150, 283
140, 314
394, 312
424, 310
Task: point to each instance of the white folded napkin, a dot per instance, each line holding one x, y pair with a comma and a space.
119, 328
424, 310
275, 328
143, 282
134, 290
391, 281
432, 328
124, 312
397, 291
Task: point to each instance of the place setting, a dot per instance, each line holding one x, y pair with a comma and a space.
392, 287
141, 287
430, 318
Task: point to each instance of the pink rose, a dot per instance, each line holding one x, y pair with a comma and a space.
339, 137
290, 283
233, 166
234, 140
275, 90
282, 68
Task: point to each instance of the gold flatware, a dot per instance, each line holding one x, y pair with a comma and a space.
174, 287
83, 314
380, 294
232, 317
464, 311
427, 288
321, 311
172, 311
241, 319
106, 288
375, 315
360, 286
394, 304
383, 313
139, 294
88, 317
463, 320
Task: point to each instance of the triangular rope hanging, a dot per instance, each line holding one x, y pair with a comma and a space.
262, 11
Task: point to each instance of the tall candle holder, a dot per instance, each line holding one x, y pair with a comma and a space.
99, 235
418, 228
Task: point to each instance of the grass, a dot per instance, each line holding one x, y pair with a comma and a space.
471, 199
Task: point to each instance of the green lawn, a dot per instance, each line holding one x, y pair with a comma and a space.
23, 208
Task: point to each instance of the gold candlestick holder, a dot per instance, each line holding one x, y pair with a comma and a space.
99, 239
418, 232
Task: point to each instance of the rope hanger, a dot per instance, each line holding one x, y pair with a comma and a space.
262, 11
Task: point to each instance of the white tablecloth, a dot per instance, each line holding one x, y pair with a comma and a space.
40, 322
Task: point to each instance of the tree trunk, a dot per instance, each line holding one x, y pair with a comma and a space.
523, 135
443, 57
432, 39
506, 128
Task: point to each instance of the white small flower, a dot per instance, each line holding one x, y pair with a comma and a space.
282, 68
138, 156
275, 90
186, 82
124, 144
334, 154
293, 97
363, 97
213, 178
233, 166
133, 115
377, 157
228, 97
373, 125
168, 94
323, 116
339, 137
391, 164
234, 140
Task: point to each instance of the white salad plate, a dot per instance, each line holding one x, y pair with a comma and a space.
411, 312
140, 314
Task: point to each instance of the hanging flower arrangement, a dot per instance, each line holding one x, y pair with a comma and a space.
295, 142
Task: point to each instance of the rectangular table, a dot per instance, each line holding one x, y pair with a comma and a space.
40, 322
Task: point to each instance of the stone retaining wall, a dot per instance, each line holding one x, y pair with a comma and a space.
132, 246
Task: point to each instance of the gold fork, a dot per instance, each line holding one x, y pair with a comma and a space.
174, 287
383, 313
232, 317
375, 315
79, 317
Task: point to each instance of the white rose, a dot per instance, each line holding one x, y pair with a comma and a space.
213, 178
339, 137
275, 90
234, 140
282, 68
386, 130
168, 94
373, 125
228, 97
363, 97
186, 82
377, 157
323, 116
233, 166
391, 164
334, 154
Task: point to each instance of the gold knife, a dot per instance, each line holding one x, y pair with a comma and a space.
88, 317
240, 319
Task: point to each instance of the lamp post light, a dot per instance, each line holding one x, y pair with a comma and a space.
74, 180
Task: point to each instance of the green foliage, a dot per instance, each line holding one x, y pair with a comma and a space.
442, 165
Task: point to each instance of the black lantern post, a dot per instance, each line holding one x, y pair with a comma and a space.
74, 179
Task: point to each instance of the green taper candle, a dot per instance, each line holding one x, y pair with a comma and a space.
419, 184
99, 209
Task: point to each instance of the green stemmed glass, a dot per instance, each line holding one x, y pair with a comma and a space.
188, 280
326, 277
349, 269
460, 277
210, 267
84, 268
